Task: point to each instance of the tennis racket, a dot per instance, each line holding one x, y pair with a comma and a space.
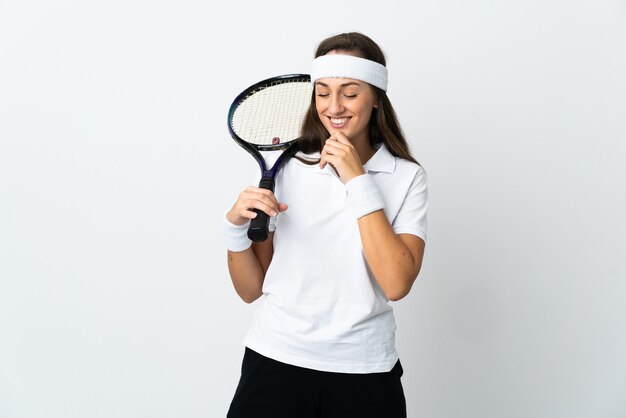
268, 116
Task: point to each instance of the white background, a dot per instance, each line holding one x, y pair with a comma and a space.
116, 166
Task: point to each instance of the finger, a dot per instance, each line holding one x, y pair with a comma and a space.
262, 201
328, 158
272, 210
337, 151
323, 157
248, 200
333, 160
339, 143
247, 213
330, 149
260, 190
262, 194
342, 138
263, 206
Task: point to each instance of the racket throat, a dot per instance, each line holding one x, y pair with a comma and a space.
267, 183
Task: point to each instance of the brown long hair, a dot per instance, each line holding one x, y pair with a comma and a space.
383, 127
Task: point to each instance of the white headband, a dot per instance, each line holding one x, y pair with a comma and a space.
348, 66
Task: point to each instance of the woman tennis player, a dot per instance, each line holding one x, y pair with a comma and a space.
348, 232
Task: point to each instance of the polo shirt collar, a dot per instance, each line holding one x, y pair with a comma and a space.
381, 161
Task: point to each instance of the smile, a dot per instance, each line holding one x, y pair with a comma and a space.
338, 122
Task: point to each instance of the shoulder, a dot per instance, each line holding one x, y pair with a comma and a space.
397, 177
406, 166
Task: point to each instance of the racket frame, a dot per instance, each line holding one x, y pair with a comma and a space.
258, 229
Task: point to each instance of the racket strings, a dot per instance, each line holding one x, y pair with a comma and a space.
273, 114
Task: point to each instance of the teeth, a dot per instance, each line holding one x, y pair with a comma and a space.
338, 121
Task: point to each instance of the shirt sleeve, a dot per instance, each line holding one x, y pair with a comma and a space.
411, 218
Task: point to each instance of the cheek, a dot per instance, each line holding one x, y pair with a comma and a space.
365, 110
319, 106
320, 115
319, 109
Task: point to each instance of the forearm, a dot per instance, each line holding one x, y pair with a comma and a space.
247, 269
246, 274
393, 263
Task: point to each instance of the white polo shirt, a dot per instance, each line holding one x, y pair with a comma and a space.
321, 307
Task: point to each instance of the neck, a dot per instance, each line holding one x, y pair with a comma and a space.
364, 149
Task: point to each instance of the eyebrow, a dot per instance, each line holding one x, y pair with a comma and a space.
350, 83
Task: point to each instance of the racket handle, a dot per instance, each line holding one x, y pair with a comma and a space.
259, 227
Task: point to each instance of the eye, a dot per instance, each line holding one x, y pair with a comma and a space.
349, 95
323, 94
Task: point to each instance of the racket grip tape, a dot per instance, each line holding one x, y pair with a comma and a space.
259, 226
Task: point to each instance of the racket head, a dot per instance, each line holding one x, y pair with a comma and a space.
268, 115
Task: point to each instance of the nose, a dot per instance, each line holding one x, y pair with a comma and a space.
336, 106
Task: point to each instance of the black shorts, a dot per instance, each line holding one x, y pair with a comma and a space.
271, 389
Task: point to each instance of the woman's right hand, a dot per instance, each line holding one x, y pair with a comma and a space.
254, 198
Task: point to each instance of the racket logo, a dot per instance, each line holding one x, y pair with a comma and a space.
275, 140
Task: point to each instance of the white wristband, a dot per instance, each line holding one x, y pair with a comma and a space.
363, 195
236, 236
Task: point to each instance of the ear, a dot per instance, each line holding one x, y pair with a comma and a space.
376, 99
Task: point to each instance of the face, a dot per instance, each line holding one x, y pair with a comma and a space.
345, 104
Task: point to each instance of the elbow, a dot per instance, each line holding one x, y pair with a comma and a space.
397, 294
395, 298
398, 289
248, 293
249, 297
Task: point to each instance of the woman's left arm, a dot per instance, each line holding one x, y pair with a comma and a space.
394, 259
